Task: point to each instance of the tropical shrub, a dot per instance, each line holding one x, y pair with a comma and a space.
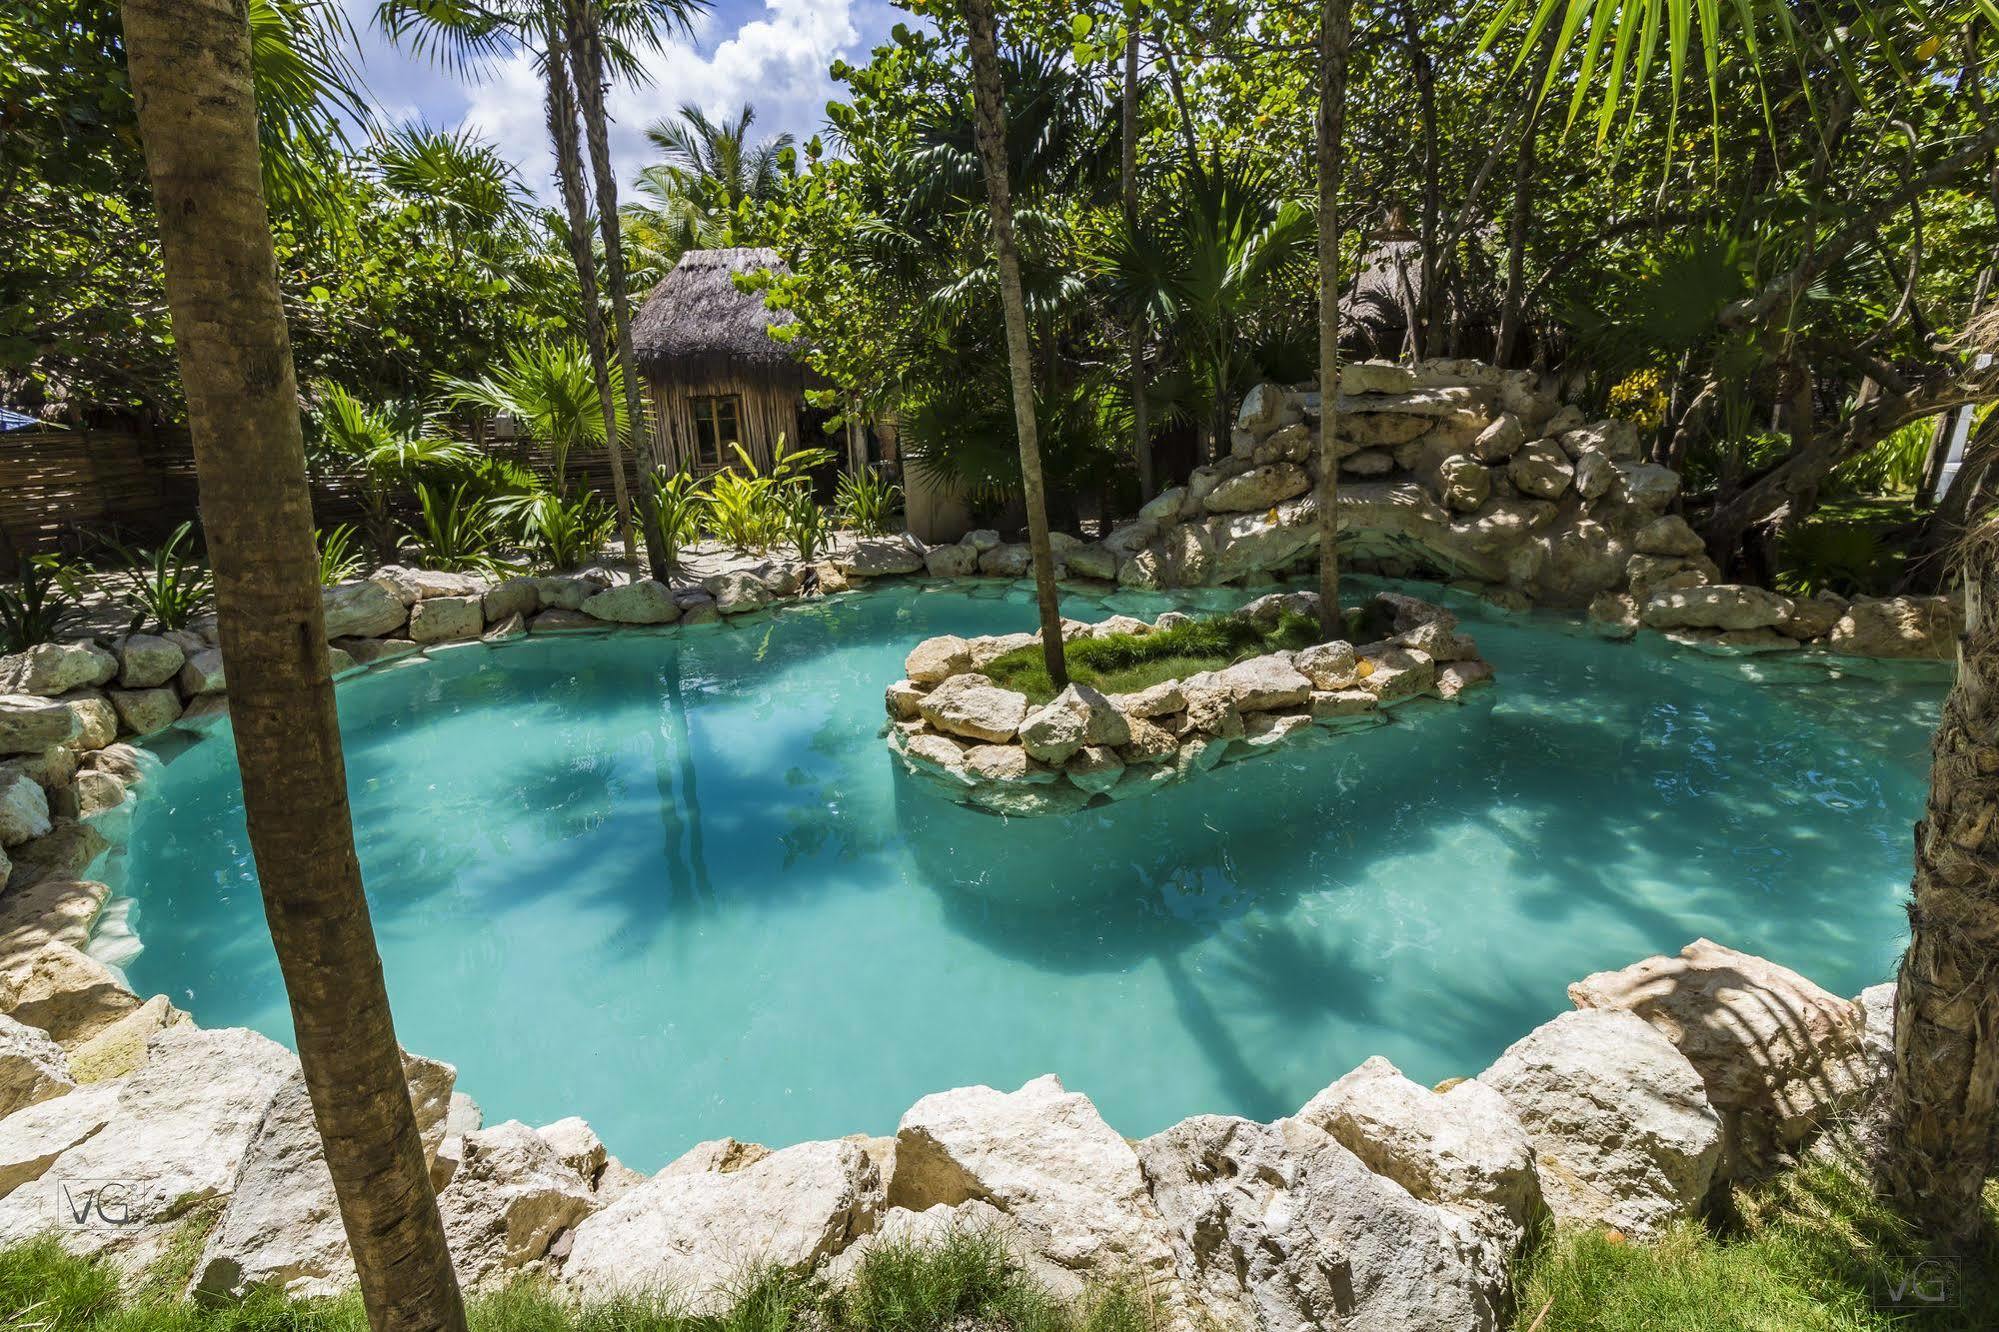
743, 509
392, 446
550, 391
807, 526
455, 530
339, 556
166, 586
36, 609
563, 530
868, 502
675, 508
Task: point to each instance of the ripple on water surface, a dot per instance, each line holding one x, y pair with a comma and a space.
675, 884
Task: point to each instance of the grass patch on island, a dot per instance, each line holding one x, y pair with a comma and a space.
1125, 663
966, 1279
1816, 1251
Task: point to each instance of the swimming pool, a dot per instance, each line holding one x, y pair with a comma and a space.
675, 883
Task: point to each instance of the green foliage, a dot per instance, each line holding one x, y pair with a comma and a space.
806, 525
391, 447
1122, 663
707, 191
563, 531
1847, 547
36, 608
1892, 467
868, 502
676, 508
751, 508
1812, 1253
550, 390
966, 1280
456, 530
340, 557
166, 586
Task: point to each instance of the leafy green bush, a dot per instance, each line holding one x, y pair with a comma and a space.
563, 531
339, 555
1121, 663
35, 610
868, 502
455, 530
1894, 466
166, 586
807, 526
675, 507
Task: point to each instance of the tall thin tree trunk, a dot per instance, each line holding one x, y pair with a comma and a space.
1426, 99
562, 132
1334, 34
1511, 305
586, 52
1141, 427
192, 84
990, 120
1941, 1141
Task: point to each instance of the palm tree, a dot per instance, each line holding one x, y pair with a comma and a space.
549, 389
391, 446
193, 86
1334, 29
590, 70
1141, 428
711, 169
989, 109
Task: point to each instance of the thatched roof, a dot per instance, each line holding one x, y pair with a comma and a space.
697, 325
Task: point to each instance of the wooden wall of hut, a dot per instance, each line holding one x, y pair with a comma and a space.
766, 407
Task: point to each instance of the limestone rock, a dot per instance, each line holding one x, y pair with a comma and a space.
1623, 1133
48, 669
1616, 439
559, 621
1093, 561
935, 660
644, 602
446, 619
1077, 716
1279, 1226
937, 755
1668, 534
146, 660
1541, 469
24, 810
1265, 683
1395, 672
368, 651
1376, 377
281, 1228
1005, 763
1152, 701
35, 1137
1594, 474
1037, 800
363, 609
1780, 1057
175, 1136
1095, 768
904, 700
1327, 665
1723, 606
70, 996
508, 1202
1455, 677
1259, 488
510, 597
737, 593
1908, 627
1044, 1157
202, 673
1211, 706
52, 769
65, 852
973, 706
695, 1231
1165, 506
567, 592
30, 724
1463, 482
1461, 1148
1266, 407
122, 1047
1368, 462
721, 1156
143, 711
1648, 485
506, 630
1013, 559
955, 560
1150, 743
32, 1067
96, 719
879, 557
1813, 617
1499, 441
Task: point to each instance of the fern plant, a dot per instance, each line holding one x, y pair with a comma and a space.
35, 610
165, 586
807, 526
563, 531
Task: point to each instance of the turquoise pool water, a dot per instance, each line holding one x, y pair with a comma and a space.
676, 885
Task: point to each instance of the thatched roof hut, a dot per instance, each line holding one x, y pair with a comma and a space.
713, 372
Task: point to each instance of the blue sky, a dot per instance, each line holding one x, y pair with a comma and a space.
771, 53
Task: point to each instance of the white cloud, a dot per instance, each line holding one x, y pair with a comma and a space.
776, 62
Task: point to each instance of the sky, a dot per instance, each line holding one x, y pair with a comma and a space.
771, 53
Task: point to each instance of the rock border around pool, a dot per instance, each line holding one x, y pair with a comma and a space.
1379, 1203
990, 747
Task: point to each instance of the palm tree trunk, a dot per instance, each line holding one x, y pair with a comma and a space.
191, 79
990, 120
1141, 428
586, 52
1334, 33
1941, 1139
569, 173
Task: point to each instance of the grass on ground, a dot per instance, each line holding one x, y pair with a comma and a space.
966, 1280
1125, 663
1814, 1252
